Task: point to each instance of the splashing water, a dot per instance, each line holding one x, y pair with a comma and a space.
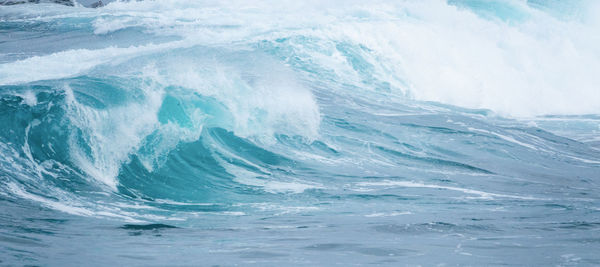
315, 133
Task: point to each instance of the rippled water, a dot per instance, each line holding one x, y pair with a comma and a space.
271, 133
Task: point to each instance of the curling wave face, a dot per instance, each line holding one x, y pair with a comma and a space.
170, 111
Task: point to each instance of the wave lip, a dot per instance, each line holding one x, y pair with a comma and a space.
459, 53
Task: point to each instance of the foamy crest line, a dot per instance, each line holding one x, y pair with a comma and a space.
482, 194
71, 62
388, 214
525, 64
68, 204
57, 205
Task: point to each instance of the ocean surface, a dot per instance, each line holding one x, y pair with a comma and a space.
300, 133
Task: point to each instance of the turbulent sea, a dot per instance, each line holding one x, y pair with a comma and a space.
312, 133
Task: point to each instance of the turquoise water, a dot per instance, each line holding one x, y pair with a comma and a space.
398, 133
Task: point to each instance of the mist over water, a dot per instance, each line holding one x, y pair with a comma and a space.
313, 133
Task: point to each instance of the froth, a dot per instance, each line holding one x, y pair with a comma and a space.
110, 135
526, 63
262, 95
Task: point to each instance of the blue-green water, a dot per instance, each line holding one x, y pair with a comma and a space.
400, 133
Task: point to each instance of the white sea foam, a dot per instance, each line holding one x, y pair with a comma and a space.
504, 137
64, 205
262, 95
110, 135
71, 62
388, 214
535, 63
482, 194
426, 50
